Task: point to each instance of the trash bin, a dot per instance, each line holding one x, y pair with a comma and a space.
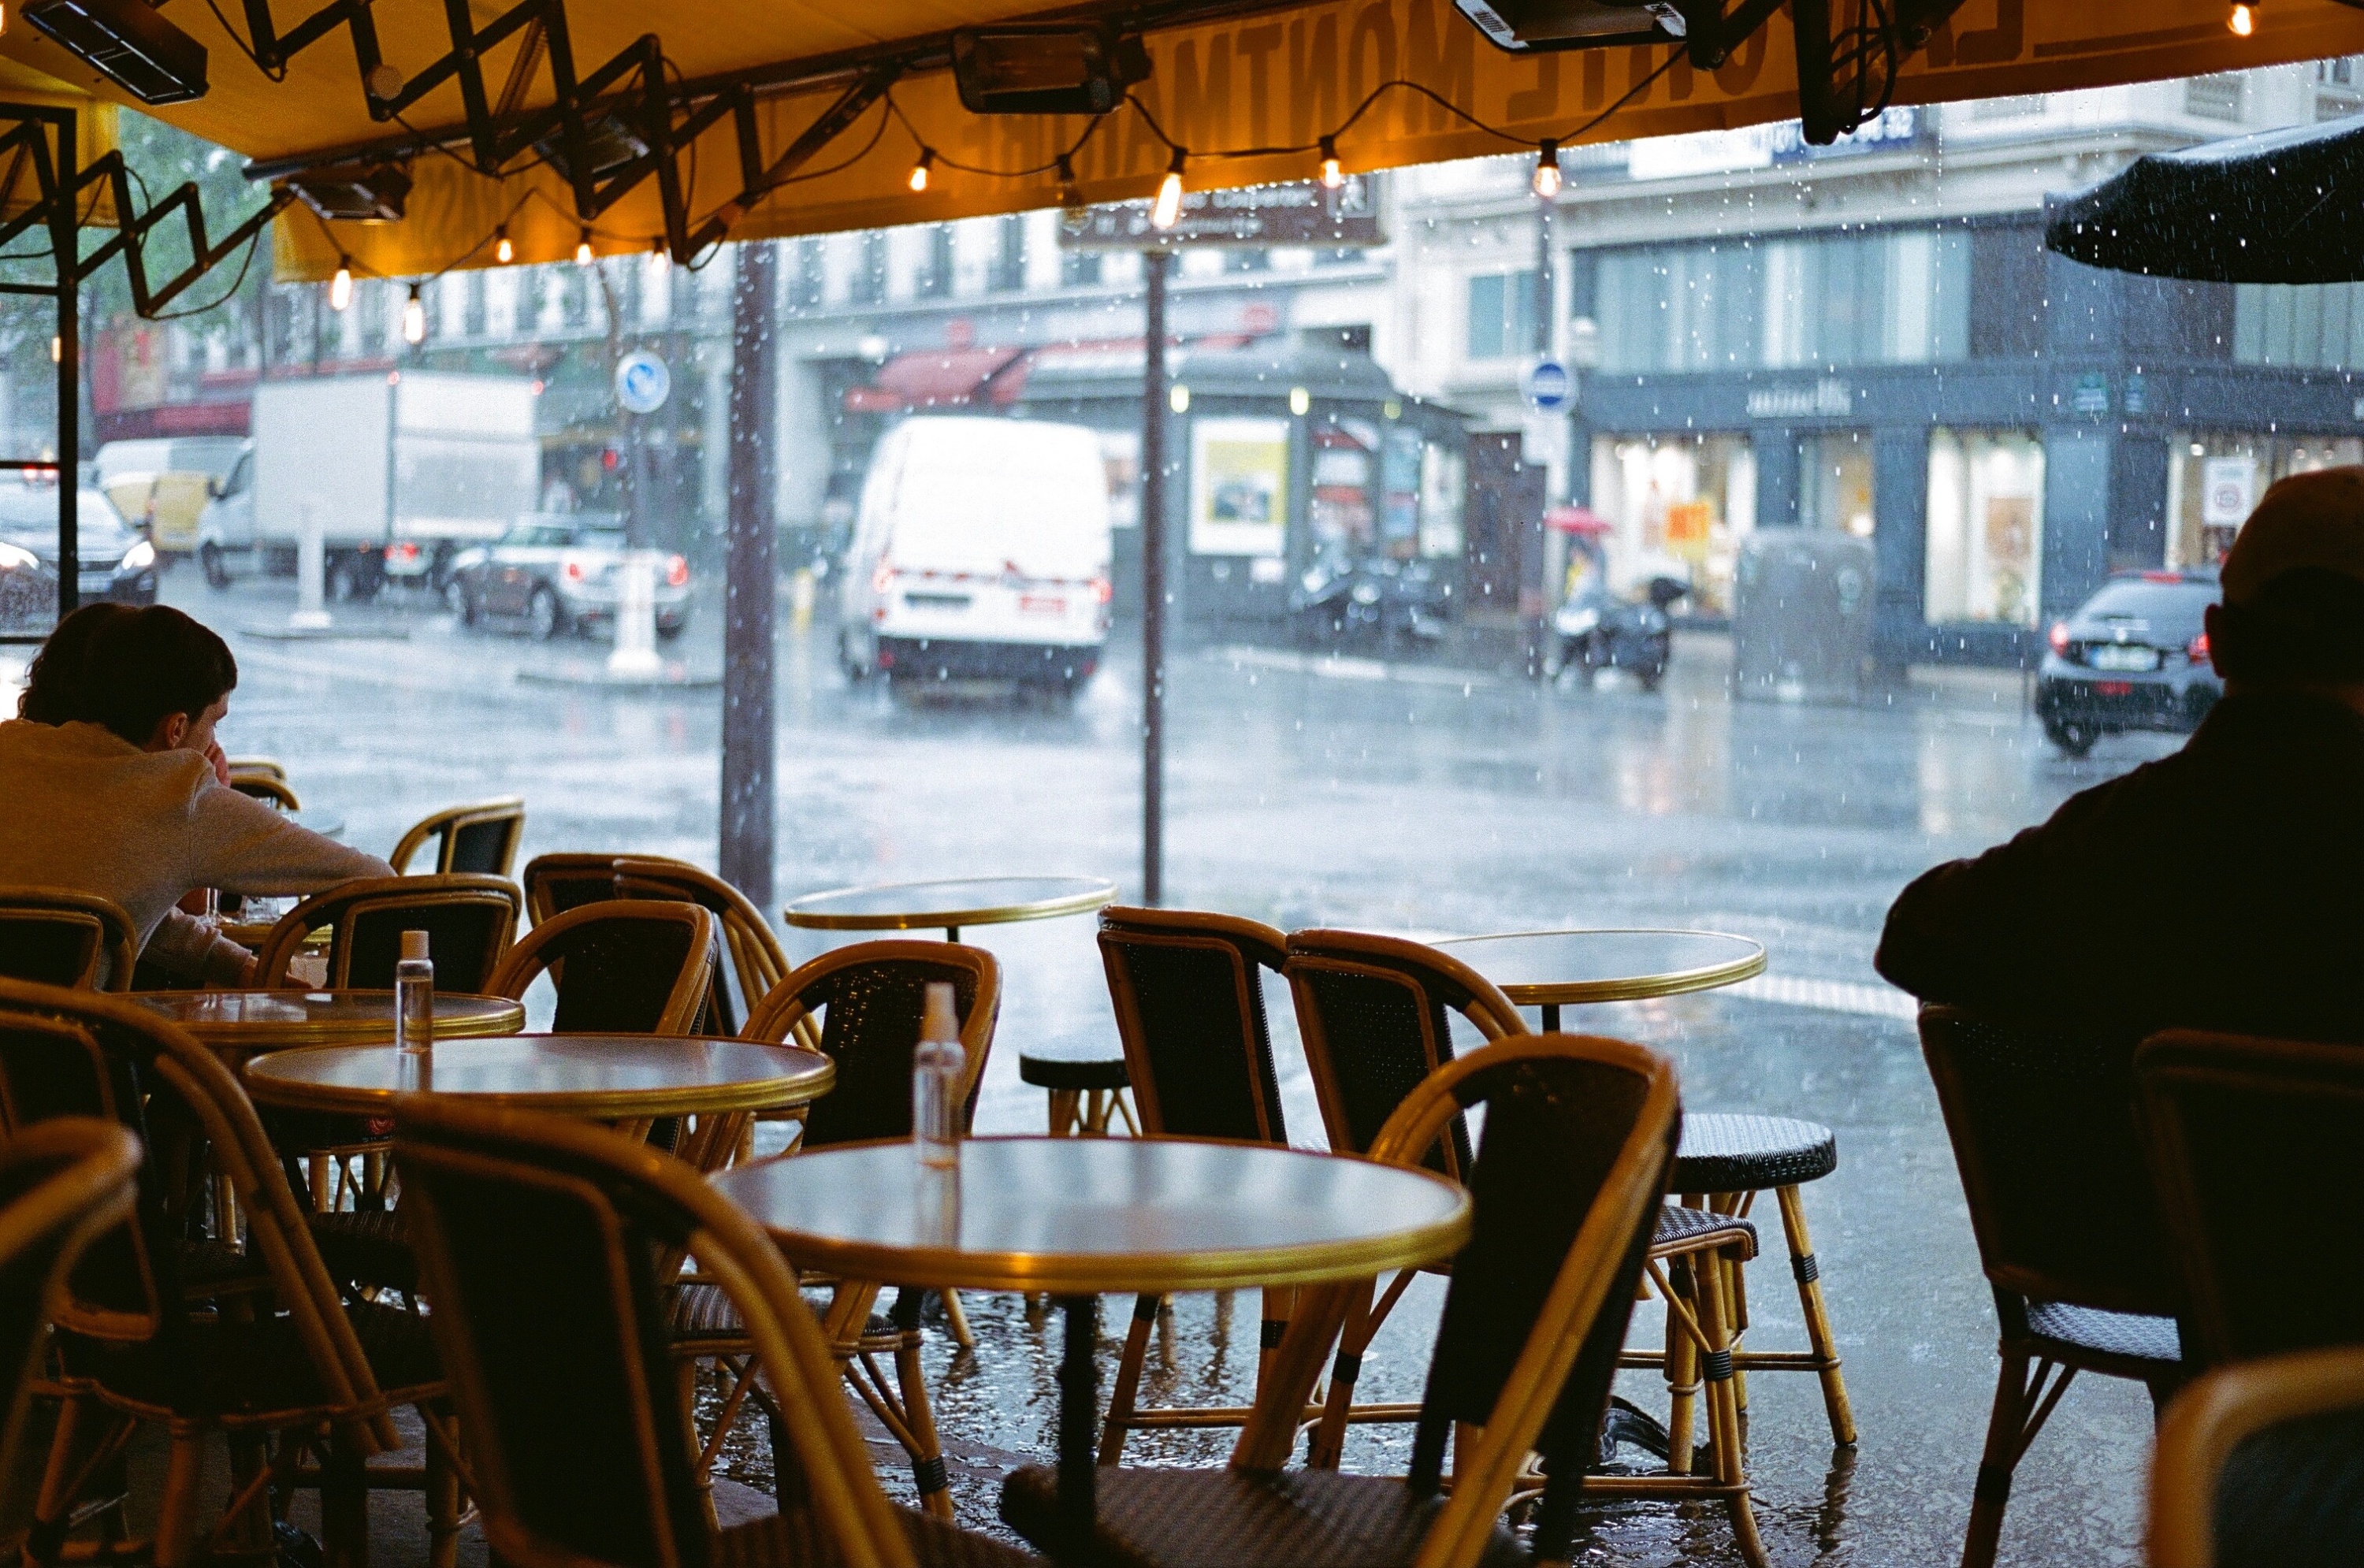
1802, 617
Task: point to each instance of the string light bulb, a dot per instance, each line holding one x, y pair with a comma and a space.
1167, 211
1547, 179
658, 257
340, 287
2243, 21
1071, 195
919, 170
57, 351
503, 251
1332, 175
582, 250
414, 318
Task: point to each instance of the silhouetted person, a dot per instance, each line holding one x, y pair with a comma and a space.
2221, 887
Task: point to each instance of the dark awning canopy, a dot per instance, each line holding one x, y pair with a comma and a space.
2282, 206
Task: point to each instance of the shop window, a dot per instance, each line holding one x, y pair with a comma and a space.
1986, 527
1443, 492
1835, 482
2312, 326
1678, 504
2215, 478
1501, 315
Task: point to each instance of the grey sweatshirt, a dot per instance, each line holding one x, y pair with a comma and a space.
83, 808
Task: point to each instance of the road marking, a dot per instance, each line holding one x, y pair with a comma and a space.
1340, 667
1829, 995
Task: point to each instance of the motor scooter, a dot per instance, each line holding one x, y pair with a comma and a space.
1598, 630
1381, 600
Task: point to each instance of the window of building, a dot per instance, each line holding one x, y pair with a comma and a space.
1079, 269
2215, 477
1986, 527
1678, 504
869, 283
2028, 105
934, 280
1006, 273
1501, 315
2313, 325
808, 287
2217, 97
1835, 488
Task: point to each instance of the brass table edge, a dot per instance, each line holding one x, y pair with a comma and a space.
997, 914
1640, 988
269, 1089
274, 1035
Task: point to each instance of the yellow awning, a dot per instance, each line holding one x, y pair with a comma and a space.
94, 138
1279, 78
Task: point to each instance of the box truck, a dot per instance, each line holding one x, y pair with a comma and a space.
402, 467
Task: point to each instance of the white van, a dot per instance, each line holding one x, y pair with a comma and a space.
981, 549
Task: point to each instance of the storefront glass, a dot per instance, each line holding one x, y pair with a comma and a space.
2215, 477
1835, 482
1986, 527
1678, 505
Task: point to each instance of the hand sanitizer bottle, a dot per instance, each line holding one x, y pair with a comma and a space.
936, 1070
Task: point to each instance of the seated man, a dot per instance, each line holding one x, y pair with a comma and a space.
122, 795
2221, 887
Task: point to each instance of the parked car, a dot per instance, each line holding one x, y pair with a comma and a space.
2135, 656
116, 562
558, 571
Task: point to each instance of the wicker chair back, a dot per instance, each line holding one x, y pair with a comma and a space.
468, 921
55, 936
63, 1185
480, 836
1371, 1011
627, 966
870, 997
556, 884
575, 1428
2245, 1136
2042, 1128
757, 963
2260, 1465
1189, 993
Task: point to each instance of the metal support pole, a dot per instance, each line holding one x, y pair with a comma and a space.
65, 251
750, 585
1154, 265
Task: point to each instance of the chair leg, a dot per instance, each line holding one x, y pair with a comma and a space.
344, 1505
927, 1454
1680, 1289
1711, 1292
1064, 1114
2022, 1402
1818, 1318
324, 1197
957, 1321
176, 1508
443, 1501
1353, 1338
78, 1447
1128, 1379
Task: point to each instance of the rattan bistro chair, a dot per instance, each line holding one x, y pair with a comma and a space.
470, 921
582, 1459
482, 836
55, 936
555, 883
2247, 1138
268, 767
63, 1184
757, 963
265, 788
2041, 1121
1189, 994
868, 999
626, 966
1566, 1184
320, 1373
2260, 1465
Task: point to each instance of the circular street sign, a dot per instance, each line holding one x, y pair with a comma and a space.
643, 383
1548, 386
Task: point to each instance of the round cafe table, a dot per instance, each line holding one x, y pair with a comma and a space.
949, 904
1555, 969
1076, 1216
244, 1023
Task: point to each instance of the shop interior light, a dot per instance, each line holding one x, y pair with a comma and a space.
582, 250
414, 318
1300, 401
2243, 20
503, 251
1332, 175
1167, 211
340, 287
919, 180
1547, 179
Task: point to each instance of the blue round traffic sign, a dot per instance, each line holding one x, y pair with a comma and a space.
643, 383
1548, 386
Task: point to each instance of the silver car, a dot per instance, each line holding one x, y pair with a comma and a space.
117, 561
558, 571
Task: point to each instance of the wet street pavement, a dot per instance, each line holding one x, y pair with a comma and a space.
1343, 792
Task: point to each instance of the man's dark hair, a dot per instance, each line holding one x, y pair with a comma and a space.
146, 666
53, 685
2305, 627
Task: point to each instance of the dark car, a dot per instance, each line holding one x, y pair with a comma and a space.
558, 571
117, 561
2135, 656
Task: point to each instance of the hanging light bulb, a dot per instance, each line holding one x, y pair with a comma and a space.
582, 250
919, 170
340, 287
1332, 175
658, 257
1167, 211
414, 318
57, 351
1547, 170
503, 251
1071, 195
2243, 20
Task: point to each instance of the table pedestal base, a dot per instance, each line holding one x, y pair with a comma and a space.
1080, 1410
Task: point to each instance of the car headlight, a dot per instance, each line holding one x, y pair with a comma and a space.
1364, 593
139, 558
16, 557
